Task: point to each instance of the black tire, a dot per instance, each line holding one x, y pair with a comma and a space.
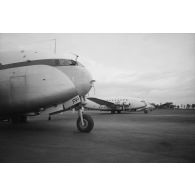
113, 112
88, 124
118, 111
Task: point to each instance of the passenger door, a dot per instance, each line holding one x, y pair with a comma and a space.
18, 90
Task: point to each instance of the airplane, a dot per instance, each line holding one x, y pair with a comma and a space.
116, 104
149, 107
31, 82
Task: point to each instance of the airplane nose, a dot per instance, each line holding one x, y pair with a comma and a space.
86, 83
81, 78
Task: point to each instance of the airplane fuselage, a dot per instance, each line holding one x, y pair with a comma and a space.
40, 81
119, 104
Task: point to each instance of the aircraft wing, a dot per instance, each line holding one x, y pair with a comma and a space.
101, 102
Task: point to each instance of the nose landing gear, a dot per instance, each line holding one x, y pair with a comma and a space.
84, 122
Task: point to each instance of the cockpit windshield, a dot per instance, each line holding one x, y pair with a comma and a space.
65, 62
51, 62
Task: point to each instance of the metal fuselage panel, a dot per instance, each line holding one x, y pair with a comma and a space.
79, 76
29, 88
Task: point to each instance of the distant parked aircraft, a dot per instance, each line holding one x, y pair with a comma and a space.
117, 104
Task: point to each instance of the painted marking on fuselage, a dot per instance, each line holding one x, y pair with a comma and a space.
75, 100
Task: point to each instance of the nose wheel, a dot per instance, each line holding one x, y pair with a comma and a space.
84, 122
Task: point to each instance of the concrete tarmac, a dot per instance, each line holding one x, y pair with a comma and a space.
160, 136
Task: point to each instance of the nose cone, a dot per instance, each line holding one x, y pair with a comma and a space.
80, 76
84, 82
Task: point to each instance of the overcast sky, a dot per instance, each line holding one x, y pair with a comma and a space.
156, 67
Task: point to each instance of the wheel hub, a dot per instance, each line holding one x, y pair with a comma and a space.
85, 124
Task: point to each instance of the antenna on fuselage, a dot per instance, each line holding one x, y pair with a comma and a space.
76, 56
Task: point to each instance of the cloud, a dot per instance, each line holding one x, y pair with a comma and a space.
155, 85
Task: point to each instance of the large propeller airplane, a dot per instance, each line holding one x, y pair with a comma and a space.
118, 104
31, 82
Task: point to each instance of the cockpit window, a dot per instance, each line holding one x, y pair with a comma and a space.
50, 62
64, 62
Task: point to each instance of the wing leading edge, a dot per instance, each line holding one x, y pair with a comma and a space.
102, 102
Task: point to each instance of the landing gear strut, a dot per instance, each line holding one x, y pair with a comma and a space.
84, 122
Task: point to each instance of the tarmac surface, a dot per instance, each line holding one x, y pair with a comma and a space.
160, 136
